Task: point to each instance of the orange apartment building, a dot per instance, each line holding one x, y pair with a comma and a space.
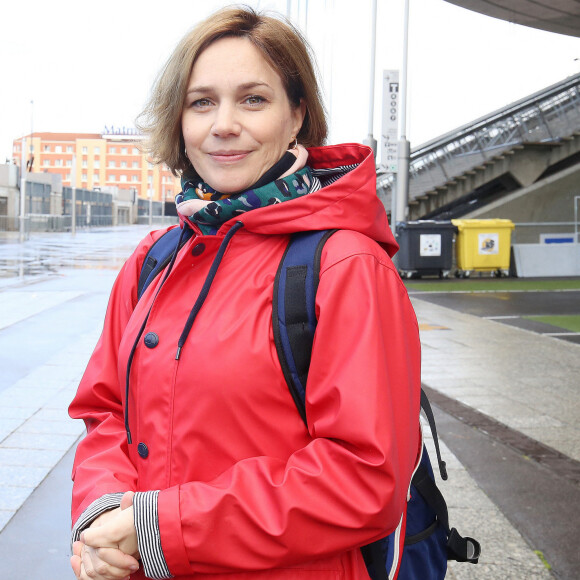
103, 161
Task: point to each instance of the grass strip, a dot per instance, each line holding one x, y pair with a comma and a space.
568, 322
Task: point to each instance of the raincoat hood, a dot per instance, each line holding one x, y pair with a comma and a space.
349, 203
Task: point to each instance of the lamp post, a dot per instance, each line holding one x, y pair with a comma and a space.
370, 140
73, 201
404, 147
22, 232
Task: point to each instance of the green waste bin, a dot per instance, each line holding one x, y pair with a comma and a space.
426, 248
483, 245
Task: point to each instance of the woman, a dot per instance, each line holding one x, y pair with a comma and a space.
196, 463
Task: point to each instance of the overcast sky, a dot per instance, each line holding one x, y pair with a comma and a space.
90, 64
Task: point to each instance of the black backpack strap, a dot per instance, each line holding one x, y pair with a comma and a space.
459, 548
293, 309
374, 558
159, 255
426, 406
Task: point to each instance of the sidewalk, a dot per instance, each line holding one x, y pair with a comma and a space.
523, 380
50, 323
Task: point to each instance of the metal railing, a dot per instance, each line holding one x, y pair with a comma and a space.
544, 117
545, 232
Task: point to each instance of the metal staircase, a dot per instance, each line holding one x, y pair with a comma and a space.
479, 161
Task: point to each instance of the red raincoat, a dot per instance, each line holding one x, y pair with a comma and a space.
246, 490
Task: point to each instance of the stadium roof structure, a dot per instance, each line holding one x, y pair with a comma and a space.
559, 16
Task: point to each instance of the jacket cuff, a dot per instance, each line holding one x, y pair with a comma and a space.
105, 503
146, 519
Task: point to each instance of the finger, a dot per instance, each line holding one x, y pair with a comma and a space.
87, 569
75, 563
77, 548
127, 499
95, 567
97, 539
118, 559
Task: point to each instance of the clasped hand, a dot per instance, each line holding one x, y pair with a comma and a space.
108, 548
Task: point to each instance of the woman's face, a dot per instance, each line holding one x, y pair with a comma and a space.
237, 121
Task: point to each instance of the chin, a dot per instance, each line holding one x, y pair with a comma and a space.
231, 185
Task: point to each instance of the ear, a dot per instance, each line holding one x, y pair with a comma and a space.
298, 114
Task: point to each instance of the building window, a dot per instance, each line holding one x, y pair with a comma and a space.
123, 150
84, 178
85, 164
96, 177
97, 150
85, 150
58, 149
68, 163
134, 178
111, 178
112, 150
135, 151
69, 149
111, 164
149, 179
46, 162
123, 179
97, 164
135, 164
47, 148
67, 177
58, 162
123, 164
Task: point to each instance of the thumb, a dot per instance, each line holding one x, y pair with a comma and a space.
95, 538
127, 500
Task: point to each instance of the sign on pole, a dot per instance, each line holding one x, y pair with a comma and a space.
390, 132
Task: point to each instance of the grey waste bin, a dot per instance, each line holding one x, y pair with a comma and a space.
426, 248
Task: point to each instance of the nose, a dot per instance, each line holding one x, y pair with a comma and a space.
225, 121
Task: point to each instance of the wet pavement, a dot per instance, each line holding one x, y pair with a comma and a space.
515, 308
506, 400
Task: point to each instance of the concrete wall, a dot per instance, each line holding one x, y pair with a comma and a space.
549, 200
9, 190
547, 260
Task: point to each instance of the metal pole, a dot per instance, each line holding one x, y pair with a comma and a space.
150, 195
73, 180
404, 148
576, 200
22, 231
370, 140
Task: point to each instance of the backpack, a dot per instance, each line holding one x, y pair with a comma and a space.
429, 541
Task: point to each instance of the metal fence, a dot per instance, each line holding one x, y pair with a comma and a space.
93, 208
545, 233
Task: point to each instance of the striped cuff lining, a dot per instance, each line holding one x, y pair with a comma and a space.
105, 503
148, 535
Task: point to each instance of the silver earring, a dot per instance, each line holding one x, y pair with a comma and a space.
295, 146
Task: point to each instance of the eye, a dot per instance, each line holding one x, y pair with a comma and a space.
255, 100
201, 103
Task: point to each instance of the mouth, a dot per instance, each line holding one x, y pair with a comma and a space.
228, 156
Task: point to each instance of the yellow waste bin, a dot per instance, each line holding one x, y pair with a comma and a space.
483, 245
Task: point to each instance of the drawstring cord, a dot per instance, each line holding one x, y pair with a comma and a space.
192, 315
132, 353
205, 288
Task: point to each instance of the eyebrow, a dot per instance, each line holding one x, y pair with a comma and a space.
242, 87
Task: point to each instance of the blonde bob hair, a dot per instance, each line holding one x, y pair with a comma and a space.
279, 42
